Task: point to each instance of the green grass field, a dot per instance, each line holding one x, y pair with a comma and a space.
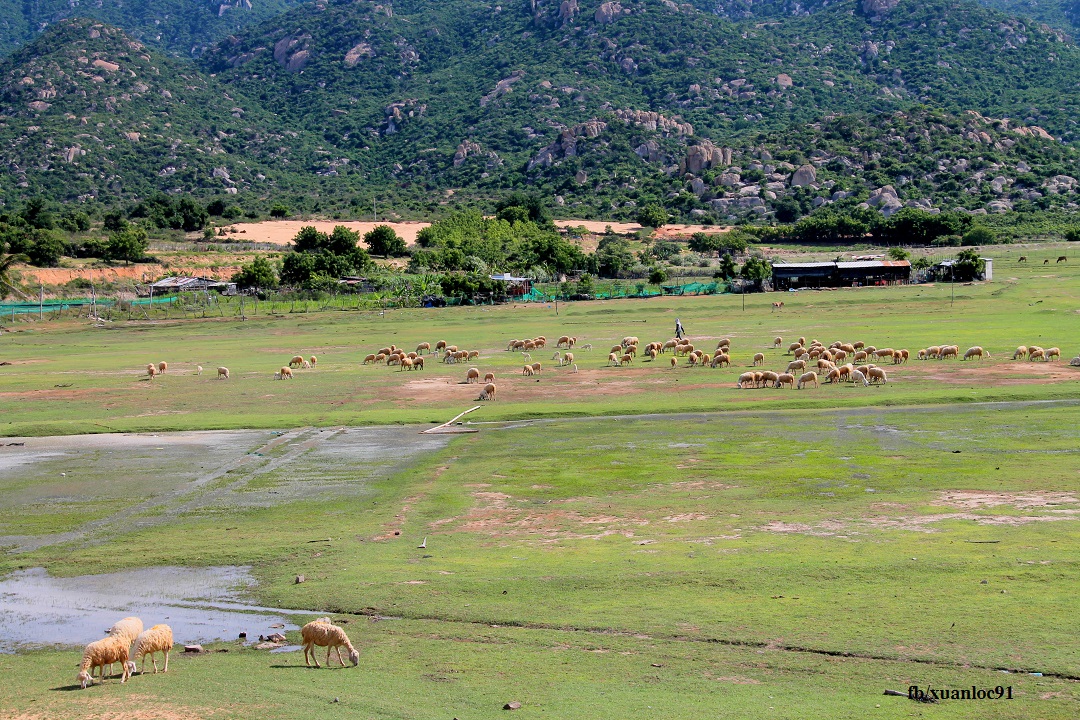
734, 553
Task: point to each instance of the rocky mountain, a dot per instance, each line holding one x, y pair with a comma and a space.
601, 106
86, 113
179, 27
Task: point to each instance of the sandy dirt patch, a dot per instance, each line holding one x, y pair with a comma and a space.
624, 228
140, 272
973, 500
282, 232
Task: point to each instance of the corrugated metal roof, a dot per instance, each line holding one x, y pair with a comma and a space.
796, 266
872, 264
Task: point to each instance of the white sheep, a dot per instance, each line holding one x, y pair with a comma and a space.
223, 373
98, 654
568, 359
158, 639
198, 369
322, 633
129, 628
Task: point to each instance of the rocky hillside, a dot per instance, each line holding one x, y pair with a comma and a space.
87, 113
601, 106
179, 27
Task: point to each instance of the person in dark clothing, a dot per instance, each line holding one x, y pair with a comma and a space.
679, 332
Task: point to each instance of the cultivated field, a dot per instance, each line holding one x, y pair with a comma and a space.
618, 542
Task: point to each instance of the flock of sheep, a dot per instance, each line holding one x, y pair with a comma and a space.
117, 647
812, 363
126, 642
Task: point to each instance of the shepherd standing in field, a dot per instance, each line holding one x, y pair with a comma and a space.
679, 332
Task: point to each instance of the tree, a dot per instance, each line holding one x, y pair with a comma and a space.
128, 245
36, 214
727, 268
613, 257
382, 240
1072, 234
7, 263
192, 216
968, 266
277, 210
756, 270
728, 243
979, 235
115, 221
45, 248
652, 215
899, 253
258, 274
657, 275
530, 202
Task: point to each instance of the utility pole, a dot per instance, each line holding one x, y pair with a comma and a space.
41, 302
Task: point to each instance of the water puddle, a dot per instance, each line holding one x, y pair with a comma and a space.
199, 604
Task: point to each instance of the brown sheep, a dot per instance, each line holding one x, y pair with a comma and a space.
380, 357
800, 351
746, 377
151, 370
833, 375
793, 347
651, 352
858, 345
684, 349
1052, 353
796, 365
845, 371
720, 360
452, 348
489, 392
948, 351
785, 379
422, 347
629, 340
285, 373
223, 373
314, 361
669, 345
568, 359
692, 359
515, 344
724, 342
418, 363
162, 367
860, 356
839, 354
933, 351
1021, 352
489, 377
847, 347
527, 371
630, 350
974, 352
406, 364
777, 341
806, 379
472, 354
613, 359
298, 361
98, 654
769, 377
759, 359
564, 340
370, 358
626, 359
440, 345
536, 368
674, 362
473, 375
394, 359
875, 373
616, 349
412, 356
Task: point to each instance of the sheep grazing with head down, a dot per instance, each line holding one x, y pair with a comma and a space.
489, 392
98, 654
158, 639
296, 361
223, 373
322, 633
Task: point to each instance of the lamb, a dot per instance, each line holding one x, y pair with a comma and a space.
283, 374
198, 369
298, 361
157, 639
746, 377
489, 392
777, 341
490, 377
1021, 352
306, 365
557, 355
975, 351
104, 652
324, 634
1051, 353
785, 379
759, 358
875, 374
586, 346
806, 379
162, 367
223, 373
568, 359
473, 375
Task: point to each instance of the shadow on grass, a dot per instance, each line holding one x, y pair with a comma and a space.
66, 688
304, 667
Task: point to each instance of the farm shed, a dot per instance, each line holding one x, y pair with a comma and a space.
840, 274
515, 286
187, 284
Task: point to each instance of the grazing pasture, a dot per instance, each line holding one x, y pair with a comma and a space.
635, 540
